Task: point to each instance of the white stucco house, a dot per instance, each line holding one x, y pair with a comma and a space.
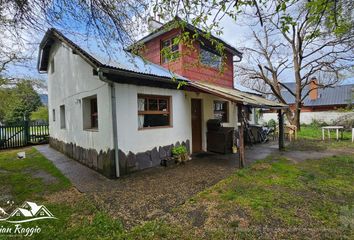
122, 116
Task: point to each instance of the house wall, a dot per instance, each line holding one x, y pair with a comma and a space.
308, 117
72, 81
144, 148
188, 64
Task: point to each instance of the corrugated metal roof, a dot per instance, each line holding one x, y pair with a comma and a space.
123, 60
236, 95
337, 95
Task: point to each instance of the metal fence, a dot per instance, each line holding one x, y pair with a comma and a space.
23, 134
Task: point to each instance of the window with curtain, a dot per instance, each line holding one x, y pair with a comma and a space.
154, 111
221, 110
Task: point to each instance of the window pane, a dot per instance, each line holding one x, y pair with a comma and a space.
163, 105
153, 104
166, 43
209, 58
154, 120
142, 104
221, 111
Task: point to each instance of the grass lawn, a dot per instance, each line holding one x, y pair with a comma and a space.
315, 133
274, 198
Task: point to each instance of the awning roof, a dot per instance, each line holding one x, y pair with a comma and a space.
237, 96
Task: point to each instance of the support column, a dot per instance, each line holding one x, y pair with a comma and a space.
241, 137
281, 129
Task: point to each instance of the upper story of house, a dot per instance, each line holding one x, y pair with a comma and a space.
197, 60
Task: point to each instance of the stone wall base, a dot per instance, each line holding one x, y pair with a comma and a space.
104, 162
131, 162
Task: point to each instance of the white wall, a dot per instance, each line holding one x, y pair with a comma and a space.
72, 81
130, 138
208, 112
308, 117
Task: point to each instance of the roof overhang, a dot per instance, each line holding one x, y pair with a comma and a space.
166, 28
237, 96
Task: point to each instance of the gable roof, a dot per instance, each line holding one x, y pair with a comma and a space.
127, 62
163, 29
337, 95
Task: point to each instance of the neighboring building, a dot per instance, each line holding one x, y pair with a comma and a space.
320, 104
122, 116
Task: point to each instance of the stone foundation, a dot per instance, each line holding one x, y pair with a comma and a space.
104, 163
131, 162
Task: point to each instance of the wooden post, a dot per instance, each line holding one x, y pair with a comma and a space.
281, 129
241, 137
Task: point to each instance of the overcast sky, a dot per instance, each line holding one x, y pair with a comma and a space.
234, 34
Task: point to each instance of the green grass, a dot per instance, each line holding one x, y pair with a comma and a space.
273, 199
278, 195
315, 133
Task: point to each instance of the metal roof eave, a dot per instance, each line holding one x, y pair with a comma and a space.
238, 96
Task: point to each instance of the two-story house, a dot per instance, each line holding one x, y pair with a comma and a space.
125, 115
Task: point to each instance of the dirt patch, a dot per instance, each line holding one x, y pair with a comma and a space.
68, 196
47, 178
261, 166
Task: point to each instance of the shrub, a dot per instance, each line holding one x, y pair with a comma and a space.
272, 123
180, 150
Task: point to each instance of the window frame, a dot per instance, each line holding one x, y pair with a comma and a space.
203, 48
156, 112
93, 114
226, 110
53, 115
62, 111
163, 59
52, 67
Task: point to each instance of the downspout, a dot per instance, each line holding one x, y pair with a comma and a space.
114, 119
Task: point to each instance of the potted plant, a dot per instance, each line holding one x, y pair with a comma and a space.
180, 154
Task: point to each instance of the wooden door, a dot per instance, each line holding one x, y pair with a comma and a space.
196, 107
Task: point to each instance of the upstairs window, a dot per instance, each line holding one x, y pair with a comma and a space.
209, 58
154, 111
221, 111
90, 112
169, 50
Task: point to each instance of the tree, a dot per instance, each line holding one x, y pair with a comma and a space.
40, 114
291, 38
18, 102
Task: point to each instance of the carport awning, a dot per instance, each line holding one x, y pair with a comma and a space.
237, 96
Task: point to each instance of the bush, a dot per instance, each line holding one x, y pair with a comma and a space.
317, 123
272, 123
178, 151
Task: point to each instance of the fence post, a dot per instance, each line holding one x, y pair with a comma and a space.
26, 131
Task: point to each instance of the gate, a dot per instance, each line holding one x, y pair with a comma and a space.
23, 134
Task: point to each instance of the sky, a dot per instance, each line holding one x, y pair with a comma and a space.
235, 34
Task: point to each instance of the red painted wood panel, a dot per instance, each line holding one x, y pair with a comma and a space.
188, 64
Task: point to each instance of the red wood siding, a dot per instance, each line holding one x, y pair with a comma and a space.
188, 64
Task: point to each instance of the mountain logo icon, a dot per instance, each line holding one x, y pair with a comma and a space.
29, 211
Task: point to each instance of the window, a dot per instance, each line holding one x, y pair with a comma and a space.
210, 58
62, 117
90, 112
53, 115
221, 111
52, 66
154, 111
169, 50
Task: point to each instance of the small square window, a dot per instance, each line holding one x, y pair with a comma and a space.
221, 110
90, 112
52, 69
62, 117
53, 115
169, 50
